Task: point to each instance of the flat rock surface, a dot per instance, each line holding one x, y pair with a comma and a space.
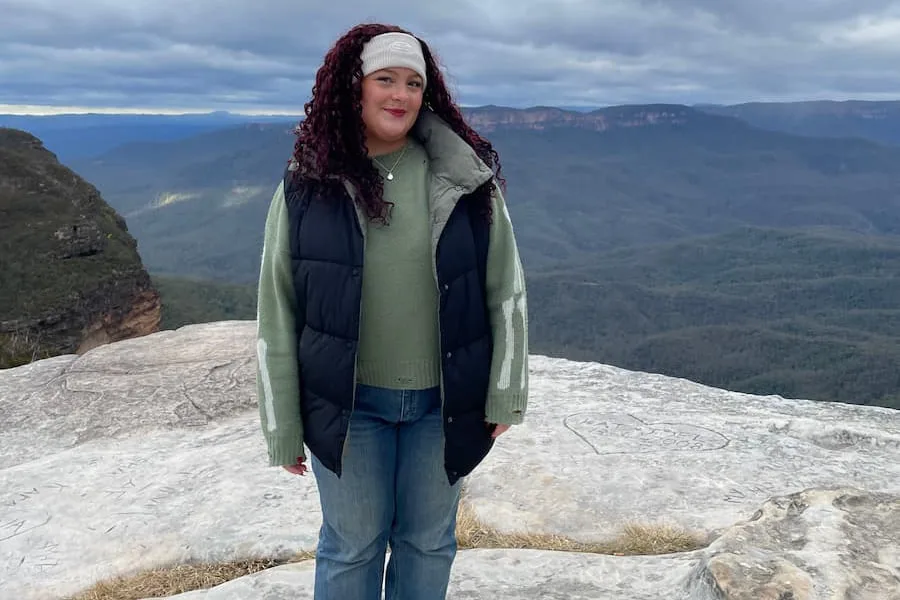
168, 380
114, 506
603, 446
148, 452
506, 574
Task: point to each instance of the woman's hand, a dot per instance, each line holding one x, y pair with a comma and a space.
498, 429
298, 468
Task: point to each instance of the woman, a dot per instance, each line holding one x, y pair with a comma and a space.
392, 319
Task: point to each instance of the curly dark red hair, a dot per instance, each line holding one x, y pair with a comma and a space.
331, 139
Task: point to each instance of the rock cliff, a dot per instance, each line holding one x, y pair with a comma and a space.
157, 459
70, 274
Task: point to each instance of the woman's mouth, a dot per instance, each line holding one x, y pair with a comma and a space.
397, 112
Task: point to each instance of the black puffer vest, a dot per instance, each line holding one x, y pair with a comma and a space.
327, 247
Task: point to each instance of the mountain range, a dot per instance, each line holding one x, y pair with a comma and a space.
578, 183
752, 247
72, 136
77, 136
875, 120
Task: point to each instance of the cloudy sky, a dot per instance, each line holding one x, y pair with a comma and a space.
261, 55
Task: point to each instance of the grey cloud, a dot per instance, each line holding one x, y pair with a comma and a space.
263, 53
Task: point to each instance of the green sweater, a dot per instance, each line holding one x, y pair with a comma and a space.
398, 331
399, 334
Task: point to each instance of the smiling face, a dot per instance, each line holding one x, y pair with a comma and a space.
391, 99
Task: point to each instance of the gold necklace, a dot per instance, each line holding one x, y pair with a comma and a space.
390, 172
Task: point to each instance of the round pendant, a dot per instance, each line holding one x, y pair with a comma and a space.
390, 176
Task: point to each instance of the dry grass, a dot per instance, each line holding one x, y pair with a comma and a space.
177, 579
635, 539
20, 347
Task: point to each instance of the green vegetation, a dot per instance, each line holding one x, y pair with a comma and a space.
57, 237
576, 193
66, 257
187, 301
801, 314
20, 348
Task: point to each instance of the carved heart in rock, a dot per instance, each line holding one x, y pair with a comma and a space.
607, 433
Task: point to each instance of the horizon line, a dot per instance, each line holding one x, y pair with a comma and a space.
37, 110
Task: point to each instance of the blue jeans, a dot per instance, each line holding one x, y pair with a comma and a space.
392, 490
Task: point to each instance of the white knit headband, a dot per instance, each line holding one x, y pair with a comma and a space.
393, 49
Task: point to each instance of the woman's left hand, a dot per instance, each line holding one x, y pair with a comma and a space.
498, 430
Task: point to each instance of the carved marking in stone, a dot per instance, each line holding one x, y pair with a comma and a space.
626, 434
20, 497
14, 527
127, 467
43, 558
750, 493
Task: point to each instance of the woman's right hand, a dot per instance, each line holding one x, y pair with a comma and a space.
299, 468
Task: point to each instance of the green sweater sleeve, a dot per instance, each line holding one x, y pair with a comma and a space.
506, 299
276, 350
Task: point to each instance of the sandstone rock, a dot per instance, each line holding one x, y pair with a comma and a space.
83, 238
138, 316
835, 543
148, 451
70, 274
